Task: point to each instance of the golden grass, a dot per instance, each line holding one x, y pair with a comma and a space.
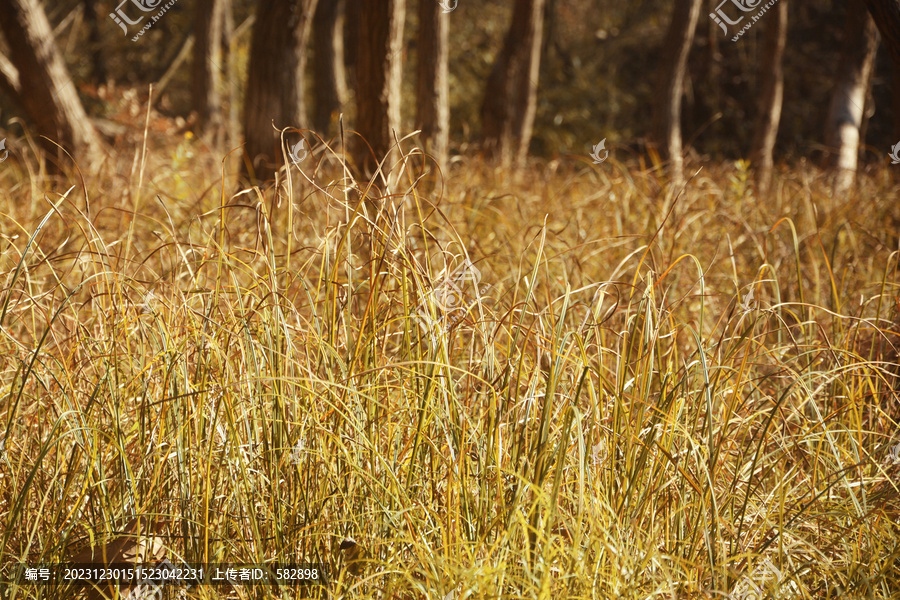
613, 415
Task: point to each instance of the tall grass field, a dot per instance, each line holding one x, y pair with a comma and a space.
565, 382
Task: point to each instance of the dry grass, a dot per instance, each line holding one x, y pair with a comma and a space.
613, 415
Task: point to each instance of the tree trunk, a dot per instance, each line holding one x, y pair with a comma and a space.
98, 65
712, 67
52, 100
895, 98
510, 98
275, 82
378, 77
432, 83
209, 16
771, 96
352, 16
670, 85
328, 64
9, 80
848, 99
886, 14
232, 116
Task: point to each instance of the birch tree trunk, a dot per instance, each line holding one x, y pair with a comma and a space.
670, 85
209, 16
46, 91
432, 84
848, 99
771, 96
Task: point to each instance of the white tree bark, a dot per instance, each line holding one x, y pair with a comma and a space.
848, 100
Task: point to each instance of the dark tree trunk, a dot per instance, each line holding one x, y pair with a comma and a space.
98, 65
275, 82
771, 96
432, 83
328, 64
233, 118
712, 66
848, 99
378, 77
52, 100
352, 18
895, 99
510, 98
886, 14
670, 84
205, 76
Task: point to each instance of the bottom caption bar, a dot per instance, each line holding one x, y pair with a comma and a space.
166, 573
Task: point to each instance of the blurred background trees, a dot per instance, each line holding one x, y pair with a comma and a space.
432, 80
379, 73
329, 78
510, 95
512, 78
275, 96
853, 78
670, 83
206, 88
37, 79
771, 94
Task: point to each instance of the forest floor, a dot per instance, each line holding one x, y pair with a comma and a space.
562, 382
